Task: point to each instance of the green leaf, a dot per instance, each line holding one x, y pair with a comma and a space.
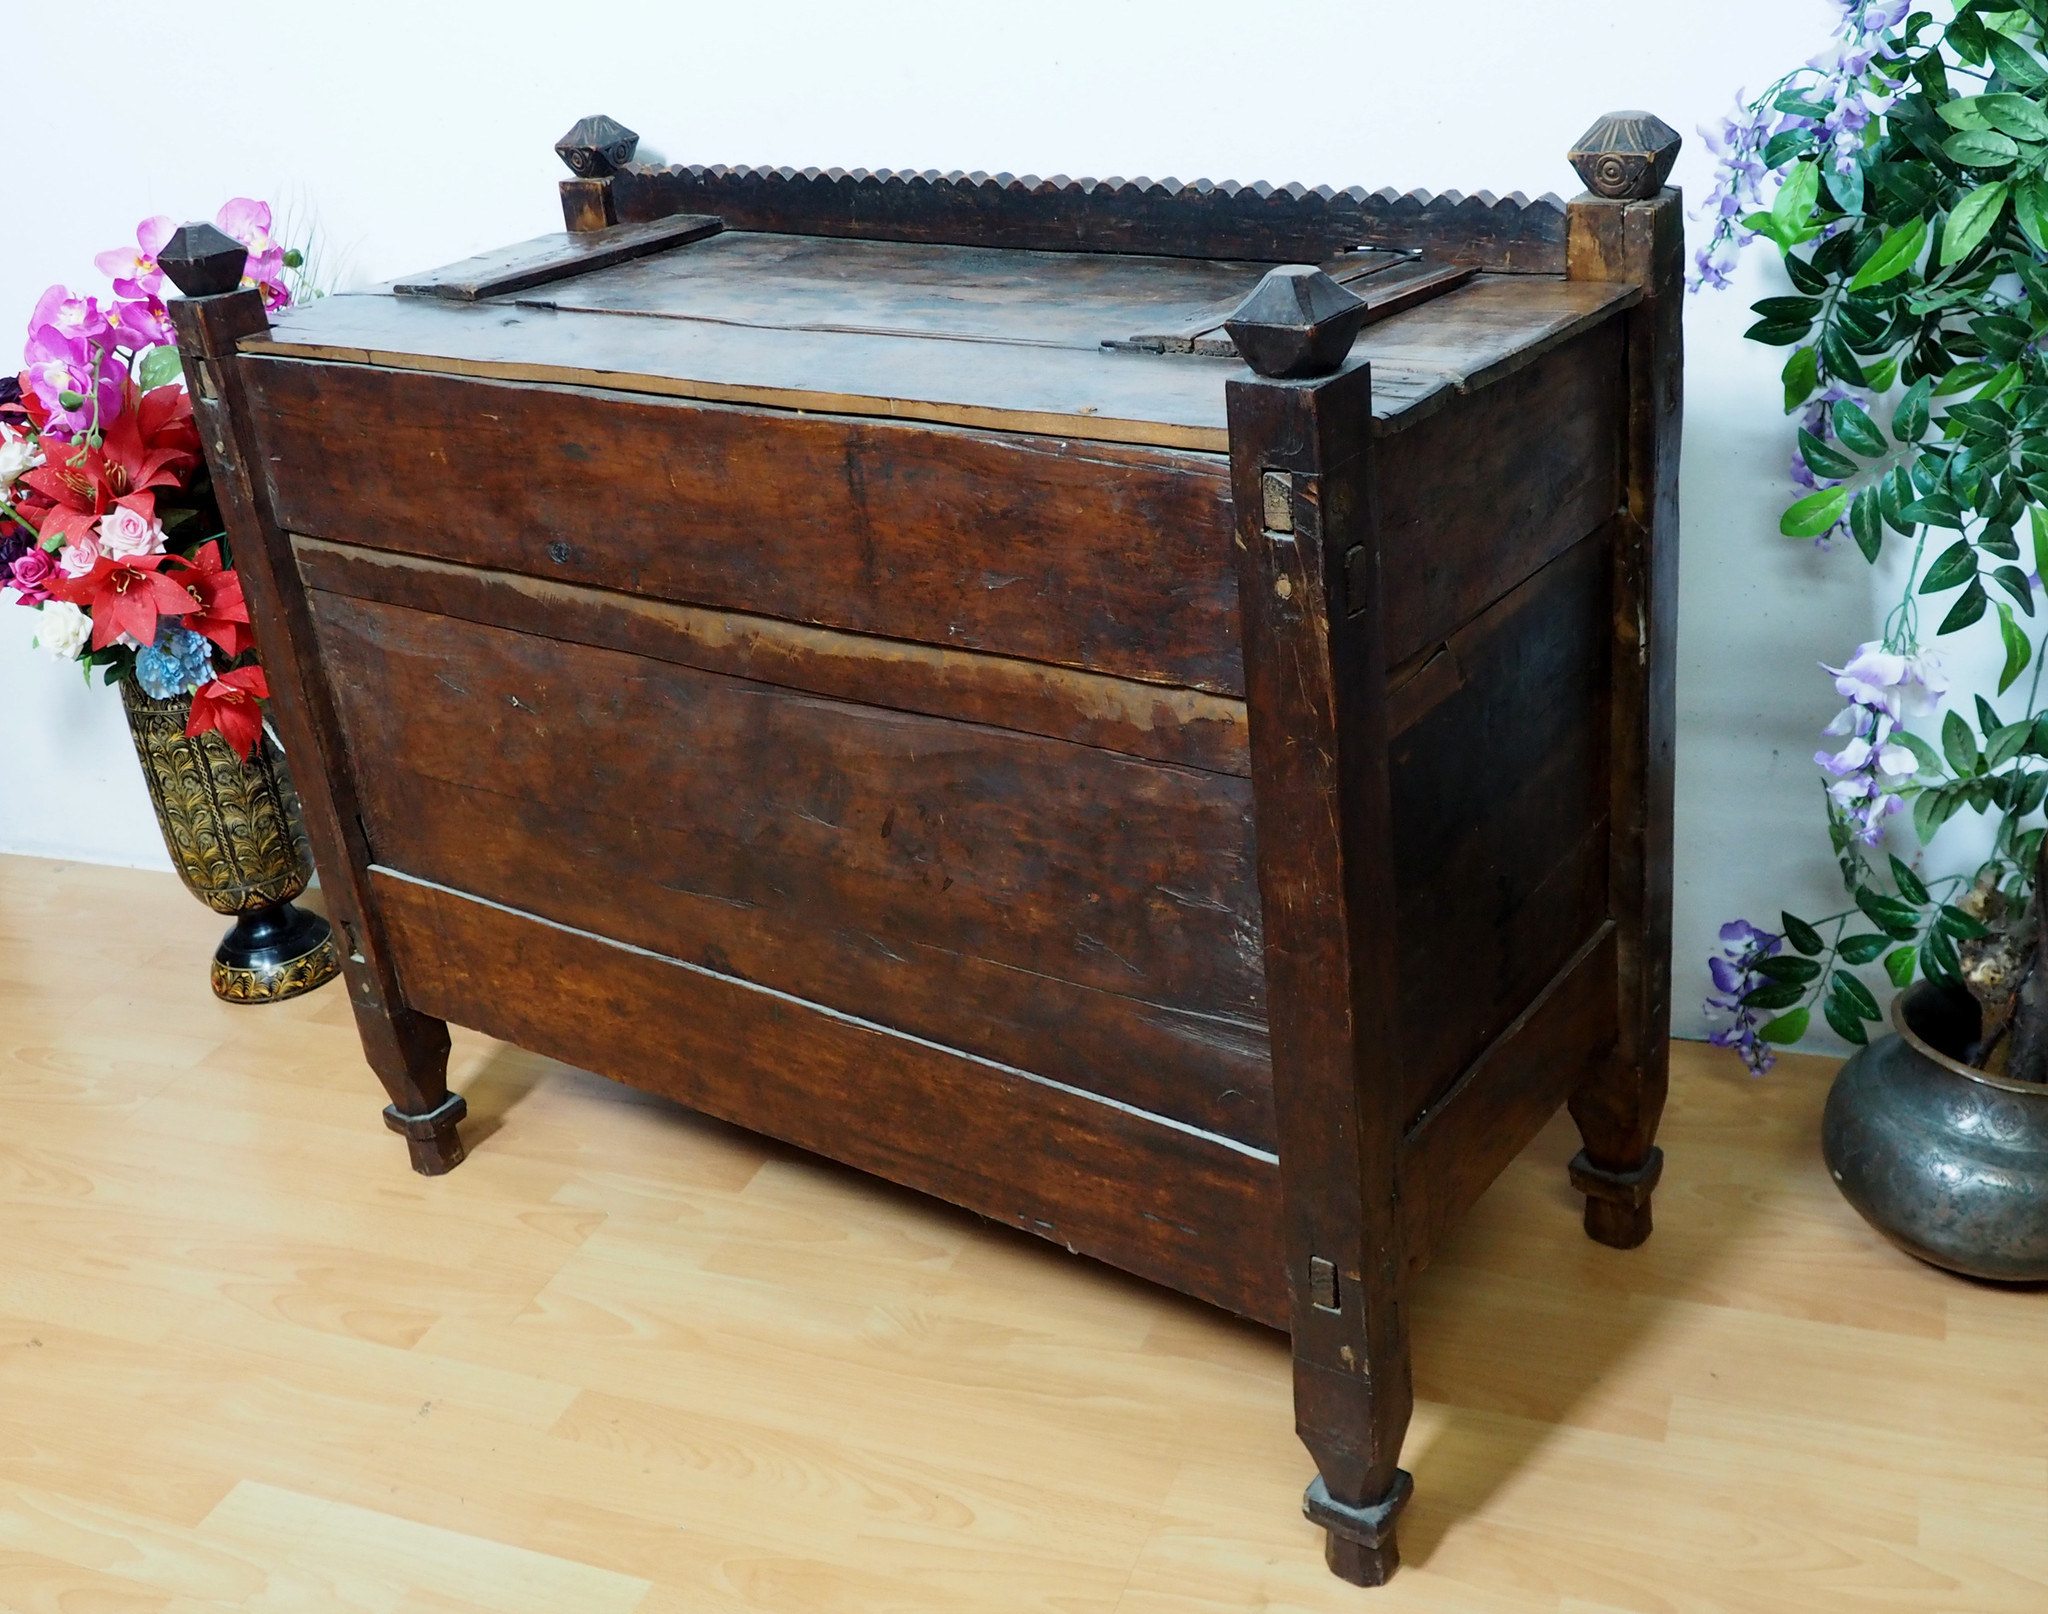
1928, 758
2016, 115
1970, 605
1823, 460
1861, 949
2030, 207
2038, 519
1938, 957
1971, 220
1988, 720
1899, 252
2006, 742
1898, 964
1963, 377
1979, 148
1932, 809
2014, 582
1801, 935
1867, 524
1788, 967
1856, 428
1894, 493
2015, 63
1815, 514
1778, 995
1882, 374
1857, 995
1965, 112
1786, 1028
1956, 565
1959, 745
1909, 419
1838, 356
1779, 333
1908, 882
1844, 1020
1890, 915
1792, 207
1952, 921
1801, 375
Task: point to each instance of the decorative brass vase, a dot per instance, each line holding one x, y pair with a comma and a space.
233, 829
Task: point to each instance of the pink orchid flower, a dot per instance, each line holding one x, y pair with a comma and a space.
140, 325
60, 364
134, 270
76, 318
248, 222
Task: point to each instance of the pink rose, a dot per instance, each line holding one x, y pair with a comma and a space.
125, 532
75, 560
30, 572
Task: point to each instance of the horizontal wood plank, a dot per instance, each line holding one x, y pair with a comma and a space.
1110, 559
549, 258
1163, 1201
1086, 915
1172, 401
1182, 726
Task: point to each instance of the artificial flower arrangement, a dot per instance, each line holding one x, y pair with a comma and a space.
109, 528
1903, 177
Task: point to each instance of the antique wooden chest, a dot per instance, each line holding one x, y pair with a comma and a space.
863, 655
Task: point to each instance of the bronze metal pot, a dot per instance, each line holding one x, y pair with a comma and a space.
1947, 1162
234, 833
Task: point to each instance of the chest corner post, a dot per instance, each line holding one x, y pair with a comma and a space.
1308, 568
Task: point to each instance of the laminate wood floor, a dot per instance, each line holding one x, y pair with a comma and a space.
629, 1359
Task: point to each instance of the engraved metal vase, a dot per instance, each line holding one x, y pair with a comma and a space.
1949, 1163
233, 830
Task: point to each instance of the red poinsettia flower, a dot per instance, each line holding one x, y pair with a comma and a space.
229, 705
126, 596
222, 616
83, 483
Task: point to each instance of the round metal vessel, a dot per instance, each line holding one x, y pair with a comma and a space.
1947, 1162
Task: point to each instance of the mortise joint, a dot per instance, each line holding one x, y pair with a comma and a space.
1322, 1284
1277, 488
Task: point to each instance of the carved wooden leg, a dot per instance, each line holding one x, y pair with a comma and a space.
1315, 680
1617, 1170
409, 1052
407, 1049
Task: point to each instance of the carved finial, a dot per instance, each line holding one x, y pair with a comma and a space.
1626, 156
1297, 322
597, 146
203, 261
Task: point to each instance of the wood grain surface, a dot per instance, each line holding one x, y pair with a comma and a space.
1087, 916
628, 1358
1176, 401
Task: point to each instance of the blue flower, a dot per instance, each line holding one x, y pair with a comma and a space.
1735, 975
178, 663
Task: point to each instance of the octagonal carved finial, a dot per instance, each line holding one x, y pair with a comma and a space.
203, 261
1626, 156
1297, 322
597, 146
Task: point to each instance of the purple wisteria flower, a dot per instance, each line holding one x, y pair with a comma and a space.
1883, 688
1735, 976
1844, 79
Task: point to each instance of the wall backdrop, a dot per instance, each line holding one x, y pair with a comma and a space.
411, 135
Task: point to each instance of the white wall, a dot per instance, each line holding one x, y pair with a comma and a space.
419, 133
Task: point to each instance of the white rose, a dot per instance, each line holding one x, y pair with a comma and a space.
17, 454
125, 532
63, 629
75, 560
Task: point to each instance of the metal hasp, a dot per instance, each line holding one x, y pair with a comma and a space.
1297, 322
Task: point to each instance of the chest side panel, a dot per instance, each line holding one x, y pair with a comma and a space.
1096, 556
1081, 914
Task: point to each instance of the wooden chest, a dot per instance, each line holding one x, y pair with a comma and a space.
862, 655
